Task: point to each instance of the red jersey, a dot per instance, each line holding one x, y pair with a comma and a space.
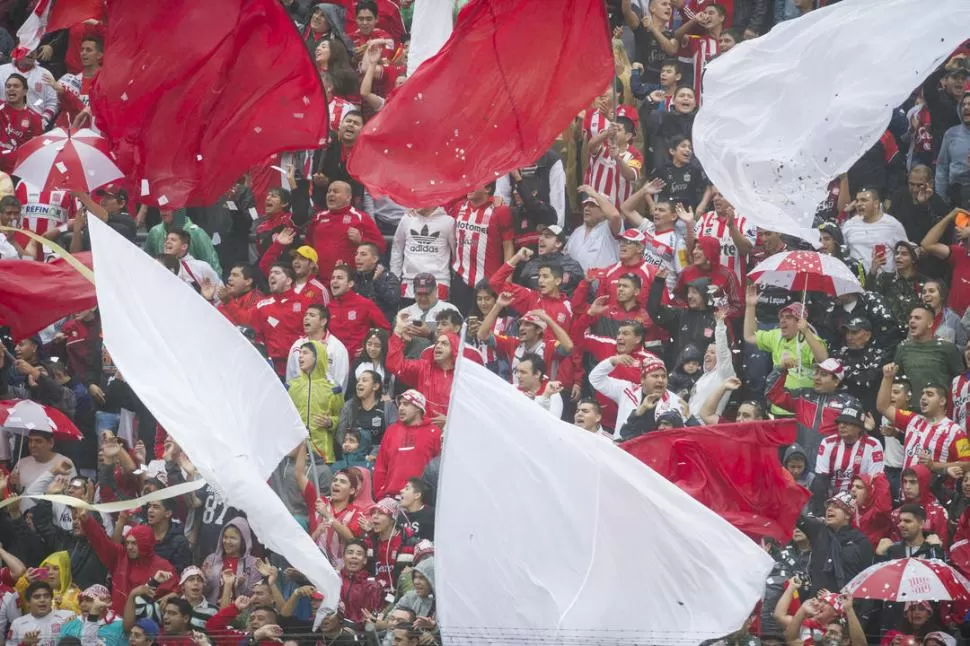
479, 236
603, 173
44, 210
351, 317
611, 276
360, 41
698, 50
388, 557
278, 321
17, 126
311, 292
711, 225
404, 453
241, 310
944, 440
959, 261
327, 234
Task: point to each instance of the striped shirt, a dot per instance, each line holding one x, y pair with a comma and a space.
44, 210
960, 396
479, 236
339, 107
944, 440
696, 51
842, 462
603, 173
710, 225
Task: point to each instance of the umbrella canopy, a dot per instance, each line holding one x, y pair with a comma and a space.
62, 159
811, 271
22, 416
910, 579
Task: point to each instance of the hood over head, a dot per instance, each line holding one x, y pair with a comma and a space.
145, 539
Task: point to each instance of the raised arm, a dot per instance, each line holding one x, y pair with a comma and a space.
606, 205
817, 346
884, 397
750, 320
931, 241
708, 412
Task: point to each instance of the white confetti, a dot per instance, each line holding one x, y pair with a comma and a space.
410, 146
124, 96
231, 205
47, 142
297, 115
144, 187
306, 100
253, 213
216, 239
162, 201
257, 130
198, 157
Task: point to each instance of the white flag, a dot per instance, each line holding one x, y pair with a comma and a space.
208, 387
430, 29
786, 113
548, 534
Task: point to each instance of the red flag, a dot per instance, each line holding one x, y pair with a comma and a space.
192, 94
733, 469
67, 13
505, 85
35, 294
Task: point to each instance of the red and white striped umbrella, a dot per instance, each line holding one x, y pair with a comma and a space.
23, 416
59, 159
811, 271
910, 579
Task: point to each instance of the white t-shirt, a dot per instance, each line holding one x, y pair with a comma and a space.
595, 248
49, 627
419, 316
30, 470
861, 237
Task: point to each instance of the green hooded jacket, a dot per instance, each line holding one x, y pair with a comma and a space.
314, 395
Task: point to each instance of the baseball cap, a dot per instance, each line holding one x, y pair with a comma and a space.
857, 323
425, 283
851, 415
112, 190
414, 397
533, 319
386, 506
307, 252
633, 235
834, 366
190, 571
554, 229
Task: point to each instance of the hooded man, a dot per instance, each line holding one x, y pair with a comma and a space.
693, 324
431, 376
316, 398
234, 553
873, 506
407, 447
420, 599
706, 263
132, 563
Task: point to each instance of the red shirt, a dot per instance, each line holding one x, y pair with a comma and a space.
241, 310
278, 321
17, 126
524, 300
959, 260
479, 236
327, 234
351, 317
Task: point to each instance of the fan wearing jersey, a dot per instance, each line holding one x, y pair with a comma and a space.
18, 123
931, 438
960, 392
731, 231
615, 165
73, 90
842, 457
44, 210
666, 244
483, 241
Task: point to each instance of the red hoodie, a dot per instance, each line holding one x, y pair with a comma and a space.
936, 522
719, 276
239, 310
873, 517
126, 573
327, 234
359, 592
423, 374
405, 452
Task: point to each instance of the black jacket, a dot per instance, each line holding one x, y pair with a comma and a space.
686, 326
86, 568
837, 555
863, 371
175, 548
572, 271
385, 290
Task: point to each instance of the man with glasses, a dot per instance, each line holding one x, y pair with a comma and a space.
918, 207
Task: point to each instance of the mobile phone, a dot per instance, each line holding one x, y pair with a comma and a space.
42, 572
962, 218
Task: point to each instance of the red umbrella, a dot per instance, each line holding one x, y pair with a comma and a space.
801, 271
61, 159
22, 416
910, 579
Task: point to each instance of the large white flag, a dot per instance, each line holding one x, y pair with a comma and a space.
209, 388
548, 534
786, 113
430, 29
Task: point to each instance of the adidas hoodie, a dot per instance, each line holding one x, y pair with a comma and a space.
423, 244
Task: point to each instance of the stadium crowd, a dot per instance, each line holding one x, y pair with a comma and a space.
607, 281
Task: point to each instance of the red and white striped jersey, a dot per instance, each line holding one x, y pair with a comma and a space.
44, 210
698, 50
479, 234
339, 107
78, 85
960, 396
711, 225
594, 123
944, 440
842, 462
604, 175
